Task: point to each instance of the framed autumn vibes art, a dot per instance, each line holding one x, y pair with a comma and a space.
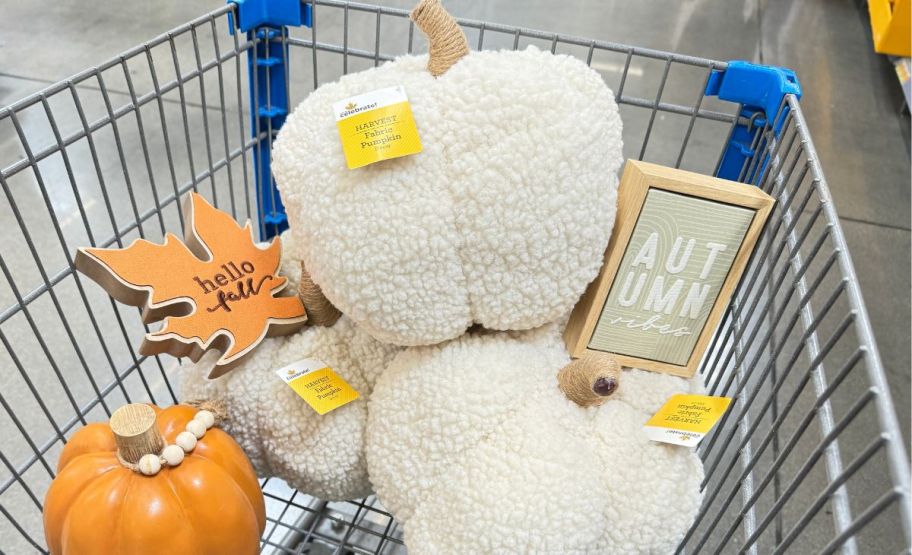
680, 244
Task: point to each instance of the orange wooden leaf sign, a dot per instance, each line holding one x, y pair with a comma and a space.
217, 290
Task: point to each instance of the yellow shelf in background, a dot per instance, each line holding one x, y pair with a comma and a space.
890, 22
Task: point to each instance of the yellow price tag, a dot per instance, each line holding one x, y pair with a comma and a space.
318, 385
376, 126
686, 419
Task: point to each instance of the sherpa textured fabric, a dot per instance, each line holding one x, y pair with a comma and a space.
474, 449
282, 435
502, 220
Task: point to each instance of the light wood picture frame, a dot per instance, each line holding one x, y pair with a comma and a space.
681, 242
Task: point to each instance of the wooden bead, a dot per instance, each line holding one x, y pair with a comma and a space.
186, 441
196, 428
173, 455
206, 417
149, 464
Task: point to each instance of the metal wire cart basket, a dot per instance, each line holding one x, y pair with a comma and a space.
808, 459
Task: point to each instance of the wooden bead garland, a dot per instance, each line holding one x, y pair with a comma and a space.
134, 433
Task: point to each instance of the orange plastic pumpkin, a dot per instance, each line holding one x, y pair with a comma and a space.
209, 503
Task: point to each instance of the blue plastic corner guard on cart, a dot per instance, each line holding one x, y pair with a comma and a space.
267, 78
761, 91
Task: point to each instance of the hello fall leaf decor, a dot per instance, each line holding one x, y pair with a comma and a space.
216, 290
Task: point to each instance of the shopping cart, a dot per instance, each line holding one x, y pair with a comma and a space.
808, 459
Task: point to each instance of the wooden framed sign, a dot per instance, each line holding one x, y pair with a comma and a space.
680, 244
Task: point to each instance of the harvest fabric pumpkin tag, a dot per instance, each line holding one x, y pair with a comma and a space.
376, 126
317, 383
686, 419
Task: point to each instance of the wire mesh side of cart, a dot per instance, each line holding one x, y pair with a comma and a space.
809, 458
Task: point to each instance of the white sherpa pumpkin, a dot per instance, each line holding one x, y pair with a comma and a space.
474, 449
501, 221
282, 435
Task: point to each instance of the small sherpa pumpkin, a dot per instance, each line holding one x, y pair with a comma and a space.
502, 220
281, 433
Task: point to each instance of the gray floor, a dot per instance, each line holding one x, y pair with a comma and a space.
852, 104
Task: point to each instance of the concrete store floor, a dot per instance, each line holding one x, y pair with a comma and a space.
852, 100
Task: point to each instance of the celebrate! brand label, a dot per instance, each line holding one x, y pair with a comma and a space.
686, 419
376, 126
317, 383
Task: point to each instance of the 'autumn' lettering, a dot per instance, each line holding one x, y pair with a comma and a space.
664, 294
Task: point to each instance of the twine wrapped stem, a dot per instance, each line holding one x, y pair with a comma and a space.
447, 43
591, 379
320, 312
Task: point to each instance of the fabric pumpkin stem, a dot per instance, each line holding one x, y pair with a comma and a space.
320, 312
447, 43
591, 379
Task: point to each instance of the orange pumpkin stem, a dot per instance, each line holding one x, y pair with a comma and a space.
135, 432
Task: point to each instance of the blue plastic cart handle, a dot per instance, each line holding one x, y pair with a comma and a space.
267, 74
761, 90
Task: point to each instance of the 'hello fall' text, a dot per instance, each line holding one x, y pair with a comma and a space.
245, 286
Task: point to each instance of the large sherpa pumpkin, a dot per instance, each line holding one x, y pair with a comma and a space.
474, 449
501, 220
